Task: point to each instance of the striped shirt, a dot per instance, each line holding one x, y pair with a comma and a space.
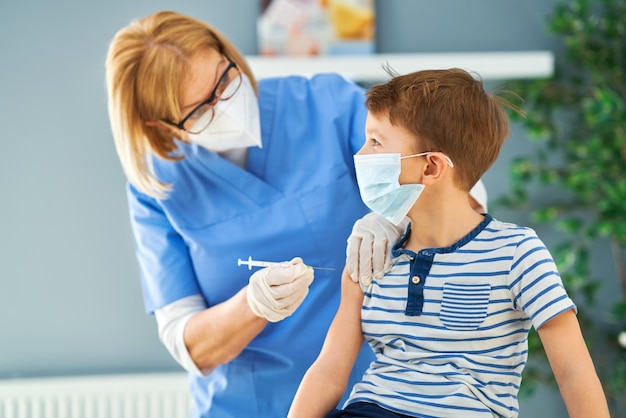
449, 326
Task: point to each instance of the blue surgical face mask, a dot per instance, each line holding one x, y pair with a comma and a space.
377, 176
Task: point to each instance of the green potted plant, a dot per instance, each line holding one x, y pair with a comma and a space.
577, 124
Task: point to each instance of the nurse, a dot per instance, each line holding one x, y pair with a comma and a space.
221, 167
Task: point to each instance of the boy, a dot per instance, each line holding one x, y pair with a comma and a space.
449, 322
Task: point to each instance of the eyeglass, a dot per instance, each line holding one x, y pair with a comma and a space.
202, 115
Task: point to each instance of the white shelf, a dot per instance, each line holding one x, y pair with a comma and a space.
489, 65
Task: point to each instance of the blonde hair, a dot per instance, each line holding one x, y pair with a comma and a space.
146, 67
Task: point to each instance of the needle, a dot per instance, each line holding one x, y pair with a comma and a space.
256, 263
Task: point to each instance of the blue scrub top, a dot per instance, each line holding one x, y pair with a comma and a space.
298, 196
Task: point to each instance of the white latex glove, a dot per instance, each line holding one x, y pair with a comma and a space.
275, 292
368, 253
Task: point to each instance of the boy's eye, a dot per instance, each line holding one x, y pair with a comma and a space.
374, 142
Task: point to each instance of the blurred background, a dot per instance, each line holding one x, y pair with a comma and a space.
70, 296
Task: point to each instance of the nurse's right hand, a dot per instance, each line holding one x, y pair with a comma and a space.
275, 292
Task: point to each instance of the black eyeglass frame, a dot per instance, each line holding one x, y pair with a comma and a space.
181, 125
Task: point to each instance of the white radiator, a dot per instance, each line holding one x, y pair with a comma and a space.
164, 395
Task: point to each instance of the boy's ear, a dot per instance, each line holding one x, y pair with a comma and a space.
436, 167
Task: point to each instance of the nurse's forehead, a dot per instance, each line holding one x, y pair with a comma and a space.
204, 71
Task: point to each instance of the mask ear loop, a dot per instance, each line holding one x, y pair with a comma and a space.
448, 160
421, 154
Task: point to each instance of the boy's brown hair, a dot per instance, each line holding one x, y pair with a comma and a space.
450, 112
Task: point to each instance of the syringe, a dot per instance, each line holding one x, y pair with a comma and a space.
257, 263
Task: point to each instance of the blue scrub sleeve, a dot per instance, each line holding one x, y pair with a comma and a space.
165, 266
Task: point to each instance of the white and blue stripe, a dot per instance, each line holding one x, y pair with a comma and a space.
459, 347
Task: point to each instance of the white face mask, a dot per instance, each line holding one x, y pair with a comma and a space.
236, 124
378, 178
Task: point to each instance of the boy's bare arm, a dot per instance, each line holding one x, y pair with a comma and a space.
326, 380
573, 367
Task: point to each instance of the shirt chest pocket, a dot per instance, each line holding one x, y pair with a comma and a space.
464, 306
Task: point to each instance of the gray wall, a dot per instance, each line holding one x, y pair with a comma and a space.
70, 299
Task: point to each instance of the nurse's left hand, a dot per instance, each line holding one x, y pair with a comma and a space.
275, 292
368, 254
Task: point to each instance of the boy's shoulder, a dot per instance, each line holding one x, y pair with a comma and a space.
502, 227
